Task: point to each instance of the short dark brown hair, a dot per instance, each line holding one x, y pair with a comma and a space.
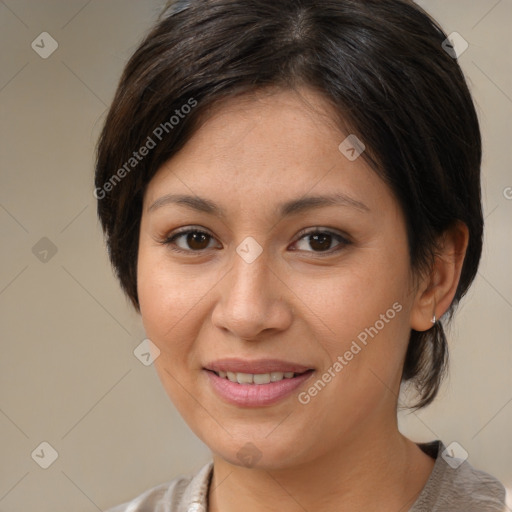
381, 65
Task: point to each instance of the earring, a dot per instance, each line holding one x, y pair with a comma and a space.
433, 319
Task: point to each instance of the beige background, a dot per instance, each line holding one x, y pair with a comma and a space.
68, 375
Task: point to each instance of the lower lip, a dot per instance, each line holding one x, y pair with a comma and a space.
255, 395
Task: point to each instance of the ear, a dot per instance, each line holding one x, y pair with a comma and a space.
436, 290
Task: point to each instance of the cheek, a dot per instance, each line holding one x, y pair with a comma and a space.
364, 296
167, 300
172, 297
363, 319
164, 298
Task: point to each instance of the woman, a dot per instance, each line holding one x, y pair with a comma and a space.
290, 193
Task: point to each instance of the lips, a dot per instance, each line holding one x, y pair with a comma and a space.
255, 383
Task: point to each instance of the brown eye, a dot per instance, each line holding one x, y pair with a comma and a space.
321, 241
196, 240
192, 240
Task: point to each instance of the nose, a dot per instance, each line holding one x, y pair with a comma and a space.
253, 300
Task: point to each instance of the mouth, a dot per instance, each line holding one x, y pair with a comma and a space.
258, 378
255, 383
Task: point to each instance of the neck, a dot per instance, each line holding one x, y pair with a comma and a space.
376, 469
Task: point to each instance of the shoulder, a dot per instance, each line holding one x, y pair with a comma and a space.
182, 493
456, 486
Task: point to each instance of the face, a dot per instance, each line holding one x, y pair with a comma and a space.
306, 303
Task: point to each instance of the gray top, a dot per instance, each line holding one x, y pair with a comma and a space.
453, 486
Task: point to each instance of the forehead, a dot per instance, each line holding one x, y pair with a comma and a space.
256, 148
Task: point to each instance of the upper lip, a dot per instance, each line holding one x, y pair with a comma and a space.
257, 366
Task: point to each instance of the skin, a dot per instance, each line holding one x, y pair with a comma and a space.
342, 451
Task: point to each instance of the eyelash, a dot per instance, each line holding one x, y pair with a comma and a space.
170, 240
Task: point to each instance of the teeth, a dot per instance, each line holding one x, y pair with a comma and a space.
260, 378
244, 378
263, 378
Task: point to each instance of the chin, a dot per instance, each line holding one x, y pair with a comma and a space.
261, 453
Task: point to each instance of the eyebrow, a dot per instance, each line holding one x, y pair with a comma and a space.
287, 209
